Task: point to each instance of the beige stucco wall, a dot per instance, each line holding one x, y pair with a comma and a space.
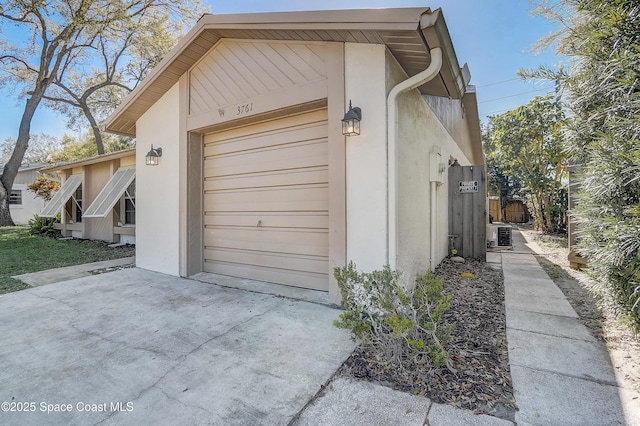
420, 133
366, 157
453, 117
96, 177
157, 197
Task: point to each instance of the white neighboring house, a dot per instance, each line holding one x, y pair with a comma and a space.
23, 203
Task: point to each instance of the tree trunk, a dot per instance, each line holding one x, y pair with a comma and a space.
13, 165
539, 213
5, 213
547, 212
94, 126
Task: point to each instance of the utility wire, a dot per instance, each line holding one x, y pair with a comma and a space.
498, 82
517, 94
495, 112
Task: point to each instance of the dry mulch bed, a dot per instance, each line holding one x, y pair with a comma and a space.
481, 381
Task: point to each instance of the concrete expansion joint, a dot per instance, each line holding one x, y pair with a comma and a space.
184, 404
117, 342
235, 327
426, 417
573, 376
105, 419
552, 335
68, 305
183, 358
538, 312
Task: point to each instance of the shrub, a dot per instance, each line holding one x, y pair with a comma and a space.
402, 327
43, 226
44, 188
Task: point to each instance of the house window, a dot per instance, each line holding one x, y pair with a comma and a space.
15, 198
130, 204
77, 205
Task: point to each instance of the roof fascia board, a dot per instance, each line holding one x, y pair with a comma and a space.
436, 34
323, 17
470, 102
93, 160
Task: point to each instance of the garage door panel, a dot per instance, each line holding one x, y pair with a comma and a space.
263, 142
316, 265
313, 175
307, 242
295, 199
268, 220
266, 201
282, 206
306, 280
292, 157
268, 127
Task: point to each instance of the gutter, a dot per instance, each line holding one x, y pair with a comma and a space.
392, 147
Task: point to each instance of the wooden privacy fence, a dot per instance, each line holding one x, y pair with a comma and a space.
468, 210
515, 212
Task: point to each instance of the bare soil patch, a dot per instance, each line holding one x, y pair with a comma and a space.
481, 381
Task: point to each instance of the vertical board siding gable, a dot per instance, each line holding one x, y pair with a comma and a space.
236, 70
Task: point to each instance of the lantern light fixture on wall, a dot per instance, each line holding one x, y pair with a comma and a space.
153, 155
351, 121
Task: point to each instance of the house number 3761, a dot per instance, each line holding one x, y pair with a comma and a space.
244, 109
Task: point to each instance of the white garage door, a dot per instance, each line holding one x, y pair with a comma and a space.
266, 201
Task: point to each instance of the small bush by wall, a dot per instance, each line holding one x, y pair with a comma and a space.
403, 326
43, 226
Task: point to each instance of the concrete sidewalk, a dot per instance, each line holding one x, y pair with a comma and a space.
561, 374
67, 273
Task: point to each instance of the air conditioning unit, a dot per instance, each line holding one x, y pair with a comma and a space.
504, 236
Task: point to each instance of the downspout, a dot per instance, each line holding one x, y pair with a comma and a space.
392, 143
434, 228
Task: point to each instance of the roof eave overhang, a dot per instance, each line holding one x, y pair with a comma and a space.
436, 34
470, 103
92, 160
338, 26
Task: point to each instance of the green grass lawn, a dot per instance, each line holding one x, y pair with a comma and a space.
21, 253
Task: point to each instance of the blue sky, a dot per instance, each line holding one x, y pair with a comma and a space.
495, 37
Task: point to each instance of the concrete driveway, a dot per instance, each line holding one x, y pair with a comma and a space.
138, 347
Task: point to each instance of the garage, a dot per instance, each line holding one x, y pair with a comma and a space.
266, 201
256, 179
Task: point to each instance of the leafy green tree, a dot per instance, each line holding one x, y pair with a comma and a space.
500, 184
525, 144
73, 149
602, 91
123, 61
50, 39
42, 148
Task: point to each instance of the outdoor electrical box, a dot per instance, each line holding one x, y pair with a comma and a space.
468, 210
436, 168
